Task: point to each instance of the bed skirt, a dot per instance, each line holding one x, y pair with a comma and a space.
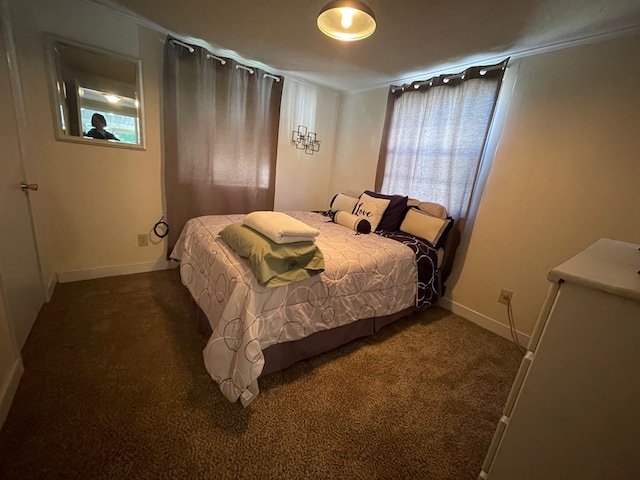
282, 355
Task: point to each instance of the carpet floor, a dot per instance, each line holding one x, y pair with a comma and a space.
115, 388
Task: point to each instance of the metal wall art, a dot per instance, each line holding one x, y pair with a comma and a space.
305, 140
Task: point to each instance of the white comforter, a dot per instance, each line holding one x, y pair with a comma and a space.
365, 276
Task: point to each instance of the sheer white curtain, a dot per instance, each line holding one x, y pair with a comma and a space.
435, 134
220, 135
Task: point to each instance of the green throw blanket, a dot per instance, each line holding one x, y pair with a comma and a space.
274, 264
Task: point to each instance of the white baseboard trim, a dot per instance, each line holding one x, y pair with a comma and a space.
482, 320
51, 286
66, 277
9, 388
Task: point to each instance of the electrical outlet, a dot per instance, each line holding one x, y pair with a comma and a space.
505, 296
143, 240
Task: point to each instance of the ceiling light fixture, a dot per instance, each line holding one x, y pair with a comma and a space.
347, 20
111, 98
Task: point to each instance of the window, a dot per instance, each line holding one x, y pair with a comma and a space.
434, 137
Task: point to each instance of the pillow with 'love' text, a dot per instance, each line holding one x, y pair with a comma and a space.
371, 208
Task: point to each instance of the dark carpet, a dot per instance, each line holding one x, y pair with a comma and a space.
115, 387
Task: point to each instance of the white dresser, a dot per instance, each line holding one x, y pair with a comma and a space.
574, 409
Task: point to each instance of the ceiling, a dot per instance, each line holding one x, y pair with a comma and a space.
413, 37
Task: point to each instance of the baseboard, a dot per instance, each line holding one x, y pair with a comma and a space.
66, 277
482, 320
9, 388
51, 286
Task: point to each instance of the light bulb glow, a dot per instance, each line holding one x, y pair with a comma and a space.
347, 17
112, 98
346, 20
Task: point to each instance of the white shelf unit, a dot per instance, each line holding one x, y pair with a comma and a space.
573, 412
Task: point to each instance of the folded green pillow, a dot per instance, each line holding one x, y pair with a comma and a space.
274, 264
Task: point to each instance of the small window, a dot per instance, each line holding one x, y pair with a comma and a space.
435, 134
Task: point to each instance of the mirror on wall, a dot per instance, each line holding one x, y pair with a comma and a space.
97, 96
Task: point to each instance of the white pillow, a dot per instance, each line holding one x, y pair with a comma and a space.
346, 219
343, 202
424, 225
433, 209
371, 208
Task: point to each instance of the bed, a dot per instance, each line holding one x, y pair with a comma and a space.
368, 281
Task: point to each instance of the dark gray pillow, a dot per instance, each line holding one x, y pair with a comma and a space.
394, 213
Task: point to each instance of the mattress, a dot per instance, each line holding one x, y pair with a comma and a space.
365, 276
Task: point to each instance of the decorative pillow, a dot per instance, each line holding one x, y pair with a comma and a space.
346, 219
371, 208
426, 226
433, 209
394, 213
343, 202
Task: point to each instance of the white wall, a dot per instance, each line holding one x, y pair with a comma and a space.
93, 200
360, 124
302, 180
566, 172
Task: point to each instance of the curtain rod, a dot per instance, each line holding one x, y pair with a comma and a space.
211, 56
446, 78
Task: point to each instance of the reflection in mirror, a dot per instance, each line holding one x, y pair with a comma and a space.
97, 96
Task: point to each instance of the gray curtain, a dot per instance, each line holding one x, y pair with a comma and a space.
434, 136
220, 136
